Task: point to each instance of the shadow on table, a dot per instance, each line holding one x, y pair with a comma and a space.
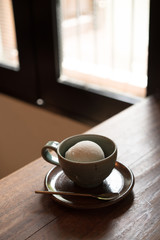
87, 224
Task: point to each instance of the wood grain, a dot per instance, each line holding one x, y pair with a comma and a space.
24, 214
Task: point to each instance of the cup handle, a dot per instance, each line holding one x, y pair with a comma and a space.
51, 145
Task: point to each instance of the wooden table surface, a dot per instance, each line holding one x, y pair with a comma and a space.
26, 215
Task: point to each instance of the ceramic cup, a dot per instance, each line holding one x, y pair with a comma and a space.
85, 174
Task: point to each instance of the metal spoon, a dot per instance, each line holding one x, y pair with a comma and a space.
103, 196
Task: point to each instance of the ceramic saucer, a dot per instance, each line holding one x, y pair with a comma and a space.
120, 180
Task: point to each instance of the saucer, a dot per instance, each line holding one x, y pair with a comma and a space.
120, 180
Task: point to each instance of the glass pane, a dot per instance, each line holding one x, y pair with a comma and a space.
105, 44
8, 44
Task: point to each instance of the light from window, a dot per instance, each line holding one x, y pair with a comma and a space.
8, 44
105, 44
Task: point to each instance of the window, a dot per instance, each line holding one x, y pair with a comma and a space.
17, 59
105, 44
8, 42
41, 64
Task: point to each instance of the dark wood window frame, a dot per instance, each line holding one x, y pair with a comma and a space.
21, 83
154, 49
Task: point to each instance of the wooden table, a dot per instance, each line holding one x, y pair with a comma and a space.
25, 215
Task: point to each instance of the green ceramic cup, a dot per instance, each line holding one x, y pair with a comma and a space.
85, 174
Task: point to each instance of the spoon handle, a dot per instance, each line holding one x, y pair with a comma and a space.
66, 193
103, 196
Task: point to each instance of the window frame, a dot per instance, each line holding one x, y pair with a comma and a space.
37, 38
154, 49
